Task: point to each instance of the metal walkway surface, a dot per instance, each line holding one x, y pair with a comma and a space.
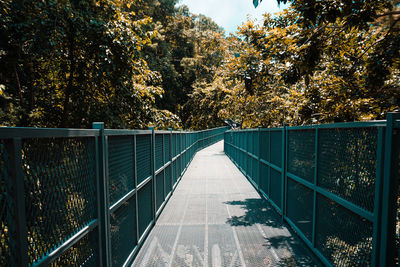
216, 218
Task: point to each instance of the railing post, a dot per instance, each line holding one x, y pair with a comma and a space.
136, 184
180, 154
259, 158
163, 164
170, 159
284, 169
378, 197
102, 196
314, 218
389, 192
16, 186
153, 171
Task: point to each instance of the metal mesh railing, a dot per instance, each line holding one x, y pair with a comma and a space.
71, 197
6, 205
332, 183
60, 184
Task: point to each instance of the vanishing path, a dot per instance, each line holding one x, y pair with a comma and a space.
216, 218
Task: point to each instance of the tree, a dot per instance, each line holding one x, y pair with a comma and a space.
68, 63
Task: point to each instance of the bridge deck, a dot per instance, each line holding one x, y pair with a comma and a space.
216, 218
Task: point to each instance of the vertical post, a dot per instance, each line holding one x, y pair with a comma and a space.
180, 154
170, 159
389, 191
315, 183
269, 168
378, 197
16, 185
284, 170
153, 171
103, 197
136, 195
259, 158
163, 160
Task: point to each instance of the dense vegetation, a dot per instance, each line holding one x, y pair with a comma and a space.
138, 63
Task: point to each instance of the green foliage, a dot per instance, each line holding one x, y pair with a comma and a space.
286, 71
69, 63
134, 64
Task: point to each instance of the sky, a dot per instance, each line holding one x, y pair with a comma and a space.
230, 14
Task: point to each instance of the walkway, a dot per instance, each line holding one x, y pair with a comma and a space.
216, 218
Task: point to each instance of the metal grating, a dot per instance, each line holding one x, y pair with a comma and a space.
168, 180
347, 164
159, 151
276, 187
121, 166
143, 157
167, 140
144, 207
5, 205
174, 145
301, 154
300, 207
159, 189
276, 148
123, 232
256, 171
343, 237
83, 253
59, 190
264, 178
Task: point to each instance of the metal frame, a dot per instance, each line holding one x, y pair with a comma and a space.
383, 217
185, 149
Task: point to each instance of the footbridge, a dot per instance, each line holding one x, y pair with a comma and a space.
320, 195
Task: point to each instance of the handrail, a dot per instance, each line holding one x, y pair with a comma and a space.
334, 184
66, 193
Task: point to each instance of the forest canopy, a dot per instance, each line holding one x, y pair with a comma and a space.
140, 63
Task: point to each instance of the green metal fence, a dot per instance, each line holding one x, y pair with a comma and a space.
87, 197
335, 184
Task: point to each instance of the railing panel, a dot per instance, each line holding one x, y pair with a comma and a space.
6, 207
276, 187
343, 237
159, 189
60, 186
123, 232
86, 197
347, 164
82, 253
335, 184
300, 207
301, 153
145, 205
159, 151
143, 157
121, 166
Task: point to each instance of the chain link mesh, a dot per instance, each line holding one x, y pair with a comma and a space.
347, 164
5, 208
343, 237
159, 151
83, 253
59, 190
123, 232
121, 166
145, 204
143, 157
300, 201
159, 189
301, 154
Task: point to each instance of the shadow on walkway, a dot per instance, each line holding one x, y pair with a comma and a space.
257, 210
